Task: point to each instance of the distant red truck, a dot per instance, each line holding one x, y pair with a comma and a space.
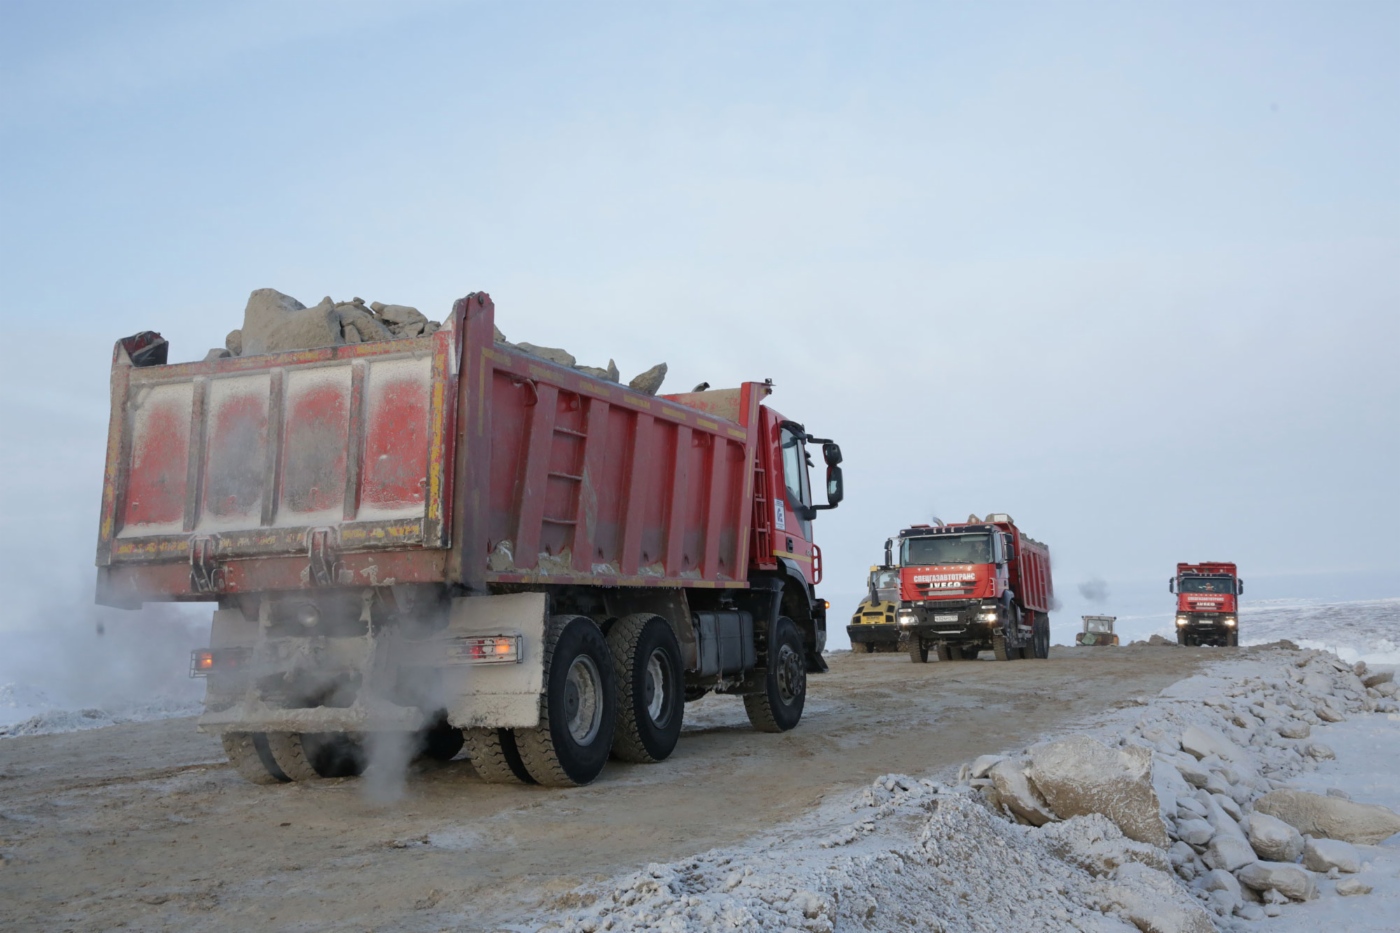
1207, 604
972, 586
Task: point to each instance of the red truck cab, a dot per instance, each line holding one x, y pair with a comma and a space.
1207, 603
969, 586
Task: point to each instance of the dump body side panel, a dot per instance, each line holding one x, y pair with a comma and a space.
1030, 574
591, 482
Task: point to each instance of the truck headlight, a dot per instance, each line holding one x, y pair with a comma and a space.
989, 615
906, 618
1230, 622
1181, 621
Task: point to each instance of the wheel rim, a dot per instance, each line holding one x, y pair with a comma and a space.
583, 700
791, 674
654, 688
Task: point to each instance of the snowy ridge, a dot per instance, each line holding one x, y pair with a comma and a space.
27, 710
1366, 631
919, 853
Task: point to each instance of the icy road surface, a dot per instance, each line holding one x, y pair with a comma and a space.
145, 825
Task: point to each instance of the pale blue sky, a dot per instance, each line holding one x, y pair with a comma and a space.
1127, 271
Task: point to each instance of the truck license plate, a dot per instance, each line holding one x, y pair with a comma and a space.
952, 618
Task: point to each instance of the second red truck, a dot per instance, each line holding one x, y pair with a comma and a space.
972, 586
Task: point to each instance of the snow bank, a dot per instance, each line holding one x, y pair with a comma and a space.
1366, 631
958, 856
32, 713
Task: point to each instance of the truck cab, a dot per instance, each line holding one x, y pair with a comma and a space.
971, 586
1207, 603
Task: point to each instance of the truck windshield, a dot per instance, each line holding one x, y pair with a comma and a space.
947, 549
1207, 585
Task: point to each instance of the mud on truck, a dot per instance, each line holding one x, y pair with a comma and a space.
447, 539
973, 586
873, 625
1207, 604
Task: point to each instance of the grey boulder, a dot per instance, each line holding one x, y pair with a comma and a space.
1078, 776
1330, 817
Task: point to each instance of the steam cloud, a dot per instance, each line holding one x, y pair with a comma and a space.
1095, 590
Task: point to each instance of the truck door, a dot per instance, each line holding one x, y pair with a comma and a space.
792, 531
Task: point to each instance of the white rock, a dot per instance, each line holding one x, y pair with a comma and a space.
1327, 854
1352, 887
1330, 817
1388, 689
1079, 775
553, 354
983, 765
1376, 678
1294, 729
1017, 795
1195, 832
1151, 900
1327, 714
1179, 854
1201, 741
1229, 806
1274, 840
1192, 774
1251, 912
1223, 902
1228, 853
1186, 805
1219, 880
1320, 751
1289, 880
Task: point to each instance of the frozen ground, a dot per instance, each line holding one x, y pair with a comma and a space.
858, 820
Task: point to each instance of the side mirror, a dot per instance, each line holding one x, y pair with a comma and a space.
1011, 552
1239, 586
835, 486
1171, 585
889, 548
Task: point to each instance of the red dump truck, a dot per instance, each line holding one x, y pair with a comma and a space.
448, 538
1207, 604
972, 586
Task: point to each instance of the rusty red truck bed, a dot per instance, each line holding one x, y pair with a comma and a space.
265, 472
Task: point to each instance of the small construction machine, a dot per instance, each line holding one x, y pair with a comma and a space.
873, 625
1098, 632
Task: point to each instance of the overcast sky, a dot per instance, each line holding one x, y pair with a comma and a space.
1130, 272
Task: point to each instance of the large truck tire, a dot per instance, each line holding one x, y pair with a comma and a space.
251, 758
778, 707
1232, 640
295, 754
1001, 650
572, 742
944, 651
918, 651
1039, 648
495, 757
650, 688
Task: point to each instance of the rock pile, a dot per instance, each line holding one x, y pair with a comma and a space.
648, 382
1202, 781
274, 322
1162, 826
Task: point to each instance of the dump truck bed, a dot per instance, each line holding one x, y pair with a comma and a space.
444, 458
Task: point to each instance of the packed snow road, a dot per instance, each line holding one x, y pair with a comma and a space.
146, 826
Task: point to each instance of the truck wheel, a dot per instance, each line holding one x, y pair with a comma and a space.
571, 744
339, 754
779, 707
441, 742
870, 647
1232, 640
1001, 650
295, 754
1041, 638
250, 757
650, 688
495, 757
944, 651
918, 652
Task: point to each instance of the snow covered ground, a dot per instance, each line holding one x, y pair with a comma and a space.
90, 667
941, 852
